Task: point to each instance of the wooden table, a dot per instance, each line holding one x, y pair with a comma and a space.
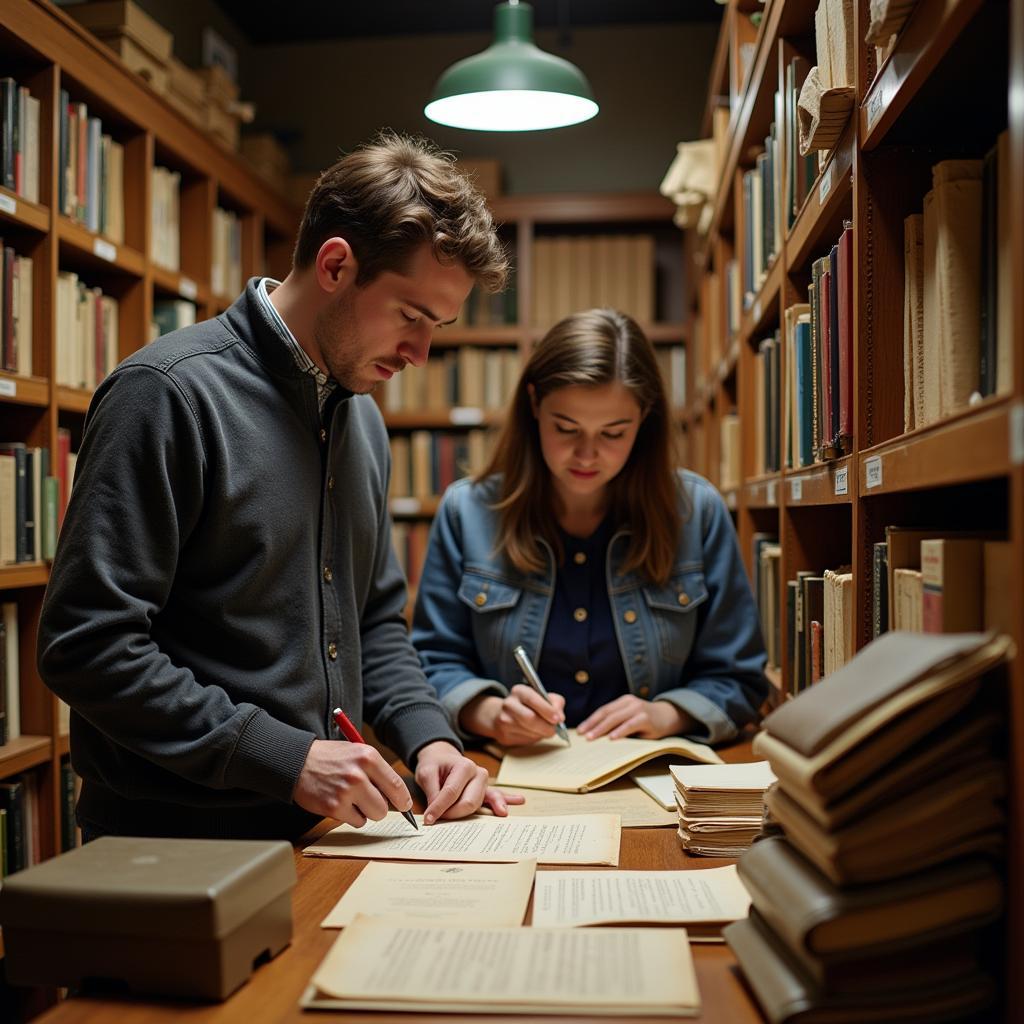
271, 995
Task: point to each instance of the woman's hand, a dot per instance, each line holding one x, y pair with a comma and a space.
634, 716
522, 717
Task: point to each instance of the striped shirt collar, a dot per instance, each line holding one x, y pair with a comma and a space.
324, 384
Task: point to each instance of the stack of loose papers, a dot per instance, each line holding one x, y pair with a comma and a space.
720, 806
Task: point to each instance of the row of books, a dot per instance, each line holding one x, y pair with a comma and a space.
33, 495
724, 308
730, 469
226, 270
467, 376
937, 581
428, 461
801, 171
672, 364
571, 273
91, 172
957, 300
19, 139
491, 309
762, 216
87, 333
15, 310
165, 218
410, 541
819, 624
21, 843
767, 369
877, 874
171, 315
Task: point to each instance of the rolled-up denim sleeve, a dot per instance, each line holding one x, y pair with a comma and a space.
723, 684
442, 632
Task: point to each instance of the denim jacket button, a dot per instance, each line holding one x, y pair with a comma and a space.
629, 616
480, 599
684, 599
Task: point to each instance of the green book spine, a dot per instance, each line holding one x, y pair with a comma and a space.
51, 492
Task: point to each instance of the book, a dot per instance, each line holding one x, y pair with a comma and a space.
815, 917
589, 764
951, 580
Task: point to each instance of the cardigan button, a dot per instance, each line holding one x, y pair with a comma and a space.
480, 600
644, 690
332, 650
629, 616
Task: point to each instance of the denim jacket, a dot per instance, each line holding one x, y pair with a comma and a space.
696, 641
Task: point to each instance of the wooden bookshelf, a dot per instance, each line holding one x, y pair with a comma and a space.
44, 49
965, 471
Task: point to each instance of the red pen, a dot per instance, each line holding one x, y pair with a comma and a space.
351, 733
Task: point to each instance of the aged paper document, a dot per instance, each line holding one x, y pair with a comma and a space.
382, 965
658, 786
634, 807
450, 894
589, 764
704, 899
580, 839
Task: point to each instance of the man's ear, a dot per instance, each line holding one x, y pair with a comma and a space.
335, 265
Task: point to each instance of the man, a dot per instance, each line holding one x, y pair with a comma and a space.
225, 577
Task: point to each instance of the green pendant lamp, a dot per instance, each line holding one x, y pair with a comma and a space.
512, 86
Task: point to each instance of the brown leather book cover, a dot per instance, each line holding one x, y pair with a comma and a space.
887, 666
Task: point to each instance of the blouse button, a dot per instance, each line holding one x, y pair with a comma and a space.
580, 615
644, 690
684, 599
480, 599
629, 616
582, 677
579, 558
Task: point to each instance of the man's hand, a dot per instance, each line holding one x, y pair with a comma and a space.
350, 782
633, 716
522, 717
455, 786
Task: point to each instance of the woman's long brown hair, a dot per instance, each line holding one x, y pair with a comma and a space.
590, 349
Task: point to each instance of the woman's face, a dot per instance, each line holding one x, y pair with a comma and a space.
586, 435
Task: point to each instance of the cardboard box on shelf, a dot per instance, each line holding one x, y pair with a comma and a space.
267, 157
109, 18
139, 59
220, 87
186, 92
221, 125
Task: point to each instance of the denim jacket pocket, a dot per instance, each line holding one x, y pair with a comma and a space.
672, 608
492, 602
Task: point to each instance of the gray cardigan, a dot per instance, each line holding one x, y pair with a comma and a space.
224, 579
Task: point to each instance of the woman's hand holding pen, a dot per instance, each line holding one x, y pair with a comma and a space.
521, 718
633, 716
350, 782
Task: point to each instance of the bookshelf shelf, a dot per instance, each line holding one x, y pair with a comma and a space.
762, 491
20, 212
23, 753
179, 285
501, 336
63, 744
765, 307
18, 390
415, 507
24, 574
96, 252
443, 419
820, 222
930, 31
827, 483
975, 445
73, 399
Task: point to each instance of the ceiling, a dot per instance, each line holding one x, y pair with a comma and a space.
298, 21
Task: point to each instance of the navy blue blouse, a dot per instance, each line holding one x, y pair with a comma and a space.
580, 656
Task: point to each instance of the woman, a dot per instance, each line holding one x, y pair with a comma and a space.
620, 575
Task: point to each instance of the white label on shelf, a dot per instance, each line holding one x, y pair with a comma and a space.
8, 204
796, 489
842, 477
770, 492
104, 249
873, 471
188, 288
405, 506
757, 311
730, 500
466, 416
8, 388
1017, 434
874, 109
825, 185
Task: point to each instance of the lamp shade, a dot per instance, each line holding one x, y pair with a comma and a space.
512, 86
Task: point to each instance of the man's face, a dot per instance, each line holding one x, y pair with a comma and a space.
369, 333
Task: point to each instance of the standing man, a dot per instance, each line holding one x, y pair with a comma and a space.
225, 575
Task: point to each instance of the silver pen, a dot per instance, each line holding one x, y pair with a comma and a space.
533, 681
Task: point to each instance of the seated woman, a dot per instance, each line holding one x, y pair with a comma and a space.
619, 574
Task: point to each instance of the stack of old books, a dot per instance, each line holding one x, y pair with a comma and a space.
872, 903
720, 806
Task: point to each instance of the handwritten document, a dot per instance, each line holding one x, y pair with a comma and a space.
589, 764
583, 839
702, 899
453, 894
382, 965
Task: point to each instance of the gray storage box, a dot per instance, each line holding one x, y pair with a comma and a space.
183, 917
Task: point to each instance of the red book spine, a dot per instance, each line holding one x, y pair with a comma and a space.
825, 341
817, 652
63, 451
